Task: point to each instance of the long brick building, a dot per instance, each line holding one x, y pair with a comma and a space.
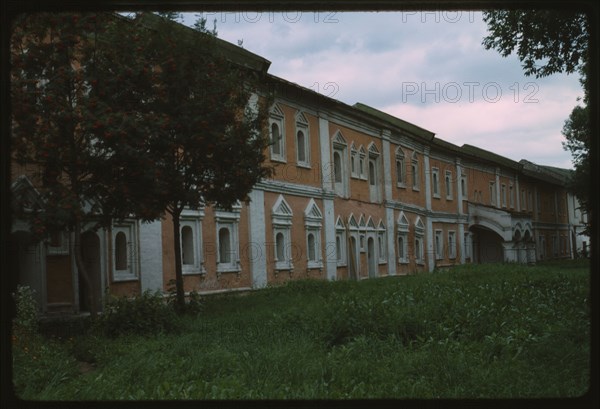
356, 194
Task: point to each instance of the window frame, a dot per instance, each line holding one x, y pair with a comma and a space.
276, 116
452, 245
193, 219
229, 220
131, 273
302, 125
281, 220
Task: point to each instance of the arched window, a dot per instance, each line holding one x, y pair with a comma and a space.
311, 247
371, 173
276, 139
224, 246
280, 246
120, 251
337, 167
300, 142
187, 245
401, 254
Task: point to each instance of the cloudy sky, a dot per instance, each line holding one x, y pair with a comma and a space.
428, 68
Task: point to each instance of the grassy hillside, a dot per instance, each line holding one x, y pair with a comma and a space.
493, 331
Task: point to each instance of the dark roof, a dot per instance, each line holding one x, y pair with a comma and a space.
396, 122
488, 156
550, 174
232, 53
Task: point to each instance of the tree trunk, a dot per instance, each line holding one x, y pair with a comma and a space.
178, 268
81, 268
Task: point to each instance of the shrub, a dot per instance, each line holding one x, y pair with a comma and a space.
194, 305
26, 319
142, 315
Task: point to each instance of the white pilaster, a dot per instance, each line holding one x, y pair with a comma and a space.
326, 162
387, 166
429, 224
257, 247
330, 249
391, 240
151, 267
498, 203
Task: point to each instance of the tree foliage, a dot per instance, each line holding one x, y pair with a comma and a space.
61, 117
135, 117
207, 143
548, 42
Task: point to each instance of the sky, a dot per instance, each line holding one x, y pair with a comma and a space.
428, 68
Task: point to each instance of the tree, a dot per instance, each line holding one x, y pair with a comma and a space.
70, 97
548, 42
207, 140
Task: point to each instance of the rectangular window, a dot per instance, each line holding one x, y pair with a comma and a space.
463, 188
191, 245
340, 247
503, 194
228, 259
511, 196
439, 245
493, 193
435, 180
451, 244
415, 171
523, 200
354, 163
302, 141
124, 252
419, 249
402, 248
448, 182
277, 133
381, 244
400, 172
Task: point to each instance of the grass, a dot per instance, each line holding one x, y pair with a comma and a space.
492, 331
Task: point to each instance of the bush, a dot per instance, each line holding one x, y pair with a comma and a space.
26, 319
143, 315
195, 303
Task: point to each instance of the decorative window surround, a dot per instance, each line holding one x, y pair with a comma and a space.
403, 229
400, 168
415, 171
302, 141
354, 163
125, 251
362, 237
190, 224
313, 222
381, 242
277, 134
419, 241
362, 154
227, 229
340, 242
435, 178
448, 184
452, 244
340, 167
374, 183
281, 217
439, 245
